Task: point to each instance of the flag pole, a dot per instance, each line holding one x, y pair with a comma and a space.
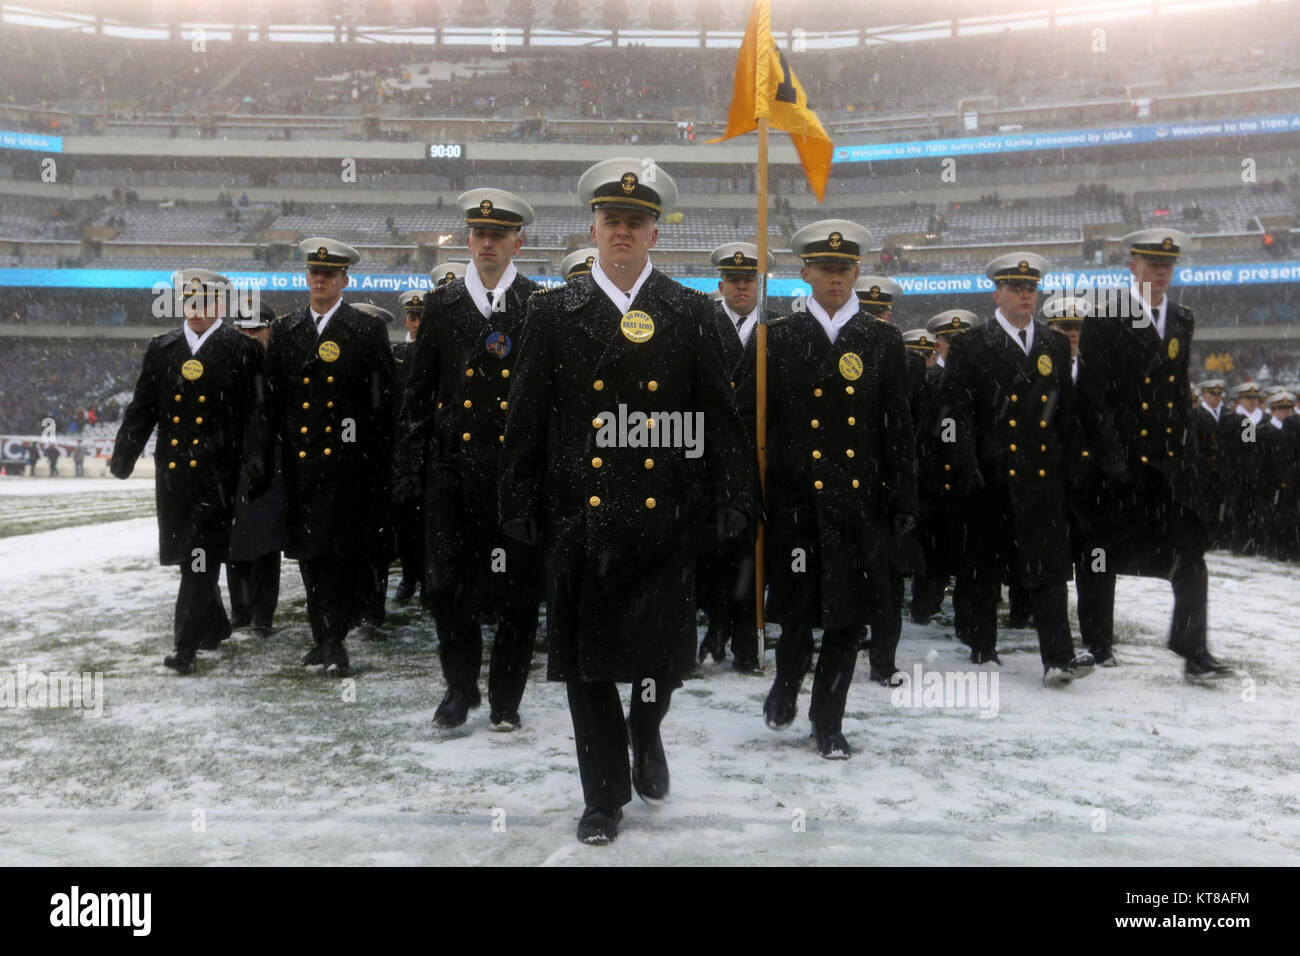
760, 384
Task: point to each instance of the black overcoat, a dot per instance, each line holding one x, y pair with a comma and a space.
840, 463
1133, 388
453, 414
332, 405
620, 517
208, 408
1016, 432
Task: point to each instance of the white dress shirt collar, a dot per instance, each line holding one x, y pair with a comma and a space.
744, 324
831, 324
482, 296
196, 341
622, 300
1155, 313
1213, 411
322, 320
1011, 330
1276, 422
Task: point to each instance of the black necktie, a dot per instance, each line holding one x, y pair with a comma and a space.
1024, 339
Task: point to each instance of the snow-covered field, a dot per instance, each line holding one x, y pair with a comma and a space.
258, 761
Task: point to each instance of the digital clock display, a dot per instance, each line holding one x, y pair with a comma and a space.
446, 151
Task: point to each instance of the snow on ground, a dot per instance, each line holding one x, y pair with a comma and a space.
258, 761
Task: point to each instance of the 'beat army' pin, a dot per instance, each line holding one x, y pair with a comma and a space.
192, 370
637, 326
1044, 365
329, 351
851, 366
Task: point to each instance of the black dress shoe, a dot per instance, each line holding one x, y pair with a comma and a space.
1204, 669
212, 641
599, 827
746, 665
335, 658
182, 662
504, 721
1082, 664
714, 645
781, 705
649, 768
314, 657
890, 677
984, 657
831, 744
453, 711
1104, 658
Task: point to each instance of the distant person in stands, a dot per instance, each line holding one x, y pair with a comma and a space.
52, 455
33, 456
79, 459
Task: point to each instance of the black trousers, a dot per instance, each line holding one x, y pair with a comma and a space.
601, 736
372, 592
834, 673
254, 590
928, 588
408, 520
975, 602
885, 635
333, 586
1187, 628
460, 651
199, 612
1096, 597
725, 581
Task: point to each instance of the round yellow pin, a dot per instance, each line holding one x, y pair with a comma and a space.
1044, 365
329, 351
192, 370
1173, 348
851, 366
637, 326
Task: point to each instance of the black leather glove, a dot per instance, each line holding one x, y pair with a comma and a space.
406, 489
729, 522
120, 467
258, 478
904, 525
523, 530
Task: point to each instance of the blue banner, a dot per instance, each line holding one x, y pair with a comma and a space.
1068, 139
35, 141
375, 283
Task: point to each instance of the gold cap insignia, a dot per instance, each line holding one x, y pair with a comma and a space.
628, 182
485, 207
835, 240
322, 252
875, 292
1024, 266
590, 261
739, 257
1167, 243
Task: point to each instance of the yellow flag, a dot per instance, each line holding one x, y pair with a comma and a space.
765, 86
